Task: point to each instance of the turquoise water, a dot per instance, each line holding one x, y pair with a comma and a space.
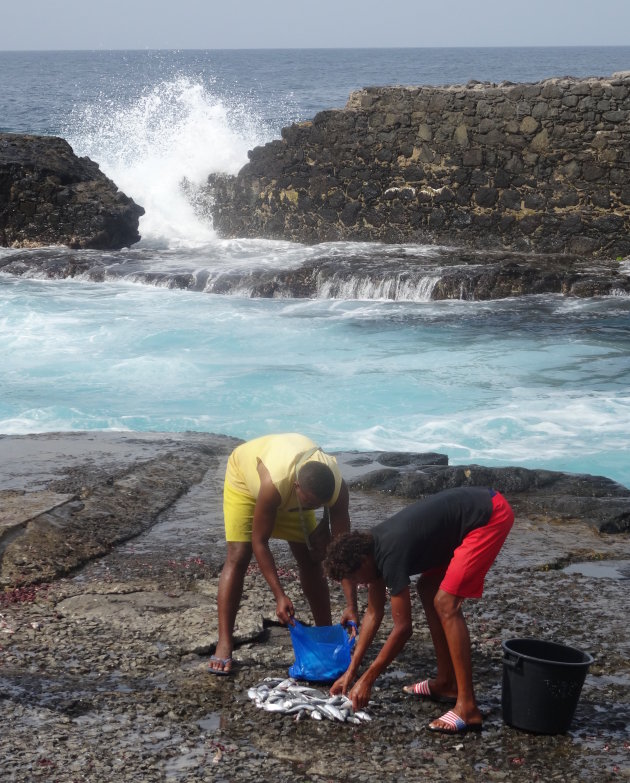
541, 381
538, 382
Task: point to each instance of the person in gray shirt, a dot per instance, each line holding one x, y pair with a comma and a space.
451, 539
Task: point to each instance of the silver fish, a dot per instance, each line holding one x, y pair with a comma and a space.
288, 697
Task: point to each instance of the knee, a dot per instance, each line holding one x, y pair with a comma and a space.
311, 569
446, 605
306, 563
238, 557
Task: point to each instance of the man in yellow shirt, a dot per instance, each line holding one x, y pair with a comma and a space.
272, 486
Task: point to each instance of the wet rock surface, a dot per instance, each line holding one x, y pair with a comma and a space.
104, 670
385, 272
49, 196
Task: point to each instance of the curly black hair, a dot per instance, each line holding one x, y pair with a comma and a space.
345, 554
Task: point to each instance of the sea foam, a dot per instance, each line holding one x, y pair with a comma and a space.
160, 148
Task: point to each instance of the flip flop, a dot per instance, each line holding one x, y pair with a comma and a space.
423, 691
457, 725
223, 672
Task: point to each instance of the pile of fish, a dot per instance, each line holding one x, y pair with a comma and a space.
289, 697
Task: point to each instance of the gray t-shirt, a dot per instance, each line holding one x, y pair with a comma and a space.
425, 534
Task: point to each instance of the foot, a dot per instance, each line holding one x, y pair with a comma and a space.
220, 666
452, 723
424, 690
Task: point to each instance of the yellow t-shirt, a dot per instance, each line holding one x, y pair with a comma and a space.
281, 454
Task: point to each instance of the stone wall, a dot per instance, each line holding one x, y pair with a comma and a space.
529, 167
49, 196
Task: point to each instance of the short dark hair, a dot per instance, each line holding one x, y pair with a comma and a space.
317, 479
345, 554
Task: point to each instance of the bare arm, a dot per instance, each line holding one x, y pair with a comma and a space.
400, 633
340, 523
265, 510
369, 626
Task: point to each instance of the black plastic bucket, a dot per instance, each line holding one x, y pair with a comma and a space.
542, 682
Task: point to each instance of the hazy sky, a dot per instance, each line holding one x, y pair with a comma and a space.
207, 24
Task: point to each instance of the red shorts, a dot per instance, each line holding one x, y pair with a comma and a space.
471, 561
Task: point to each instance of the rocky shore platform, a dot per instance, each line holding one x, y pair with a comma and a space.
110, 550
390, 272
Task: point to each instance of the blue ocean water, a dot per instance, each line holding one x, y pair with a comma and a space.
539, 381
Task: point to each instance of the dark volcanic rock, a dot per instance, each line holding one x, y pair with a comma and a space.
596, 500
49, 196
389, 272
527, 167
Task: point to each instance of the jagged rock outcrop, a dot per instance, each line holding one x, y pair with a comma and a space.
529, 167
49, 196
392, 272
598, 501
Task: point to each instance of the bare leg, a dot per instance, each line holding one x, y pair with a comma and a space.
444, 683
449, 611
229, 598
314, 584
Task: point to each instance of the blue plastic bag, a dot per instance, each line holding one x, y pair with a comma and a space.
322, 652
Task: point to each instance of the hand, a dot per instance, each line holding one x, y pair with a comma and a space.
284, 609
360, 693
341, 684
350, 616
